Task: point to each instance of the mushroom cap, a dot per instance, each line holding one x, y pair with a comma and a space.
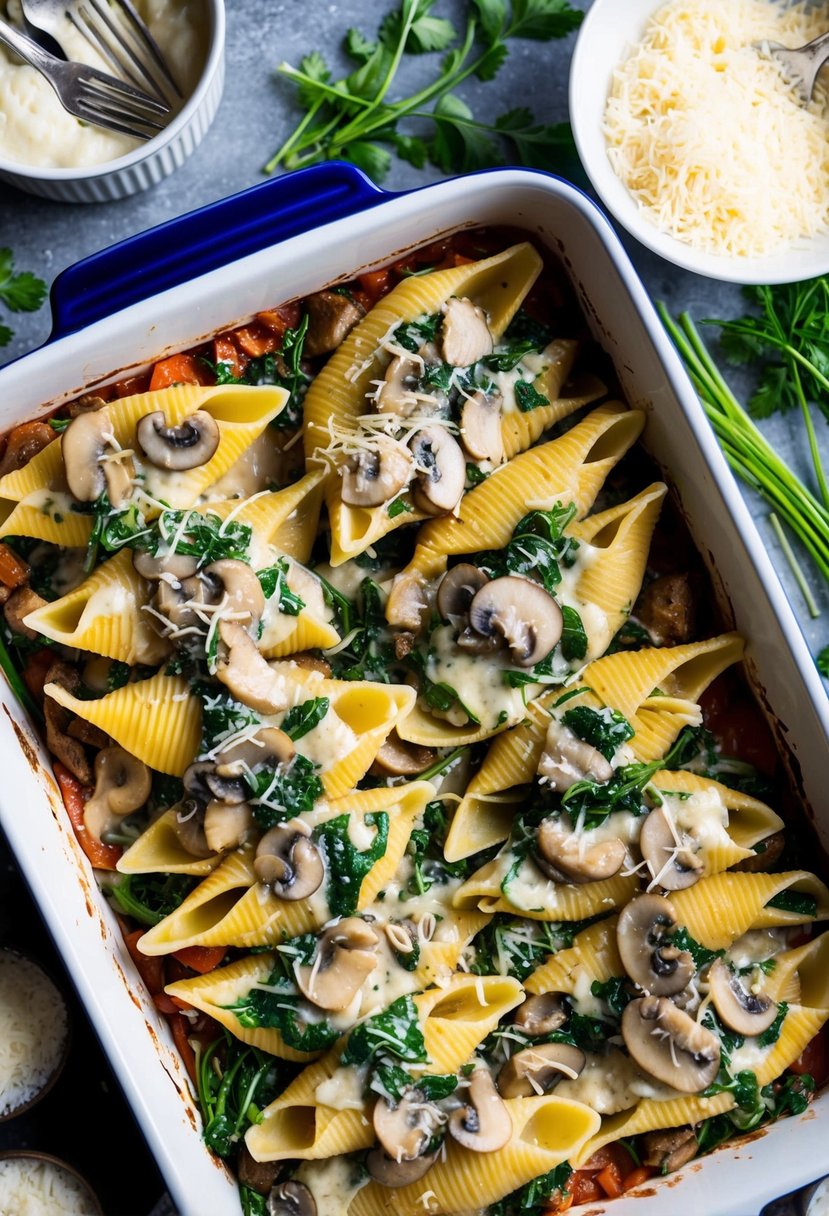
179, 565
565, 857
670, 1045
407, 604
567, 759
225, 826
397, 394
392, 1173
481, 427
522, 613
186, 446
245, 597
484, 1124
746, 1012
457, 589
673, 866
346, 955
289, 863
406, 1129
245, 671
189, 828
398, 758
291, 1198
536, 1070
270, 745
119, 475
372, 476
204, 783
541, 1013
643, 940
440, 470
122, 785
82, 445
465, 336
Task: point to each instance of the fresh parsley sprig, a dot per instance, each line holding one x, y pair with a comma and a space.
22, 292
352, 118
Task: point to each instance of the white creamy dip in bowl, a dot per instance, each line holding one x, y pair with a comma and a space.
44, 150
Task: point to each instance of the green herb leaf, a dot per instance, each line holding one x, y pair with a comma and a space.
148, 898
772, 1034
543, 19
425, 33
798, 902
301, 719
604, 729
574, 640
823, 662
527, 396
290, 789
393, 1033
274, 581
346, 865
22, 292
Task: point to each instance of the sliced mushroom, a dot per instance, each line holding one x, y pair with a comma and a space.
226, 827
536, 1070
119, 475
522, 613
245, 597
397, 758
465, 336
24, 443
175, 566
405, 1130
767, 852
481, 427
204, 783
258, 1175
270, 746
243, 670
178, 601
390, 1172
565, 857
83, 443
291, 1199
643, 938
457, 589
17, 607
669, 1150
186, 446
122, 785
566, 759
69, 751
289, 863
372, 476
407, 604
744, 1011
484, 1123
670, 1045
541, 1013
346, 955
397, 393
669, 852
331, 317
312, 662
189, 828
441, 470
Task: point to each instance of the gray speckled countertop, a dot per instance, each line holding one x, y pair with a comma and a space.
258, 112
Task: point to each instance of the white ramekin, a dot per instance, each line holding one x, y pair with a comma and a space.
148, 164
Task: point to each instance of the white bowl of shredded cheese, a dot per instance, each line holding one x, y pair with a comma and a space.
44, 150
696, 144
34, 1034
37, 1184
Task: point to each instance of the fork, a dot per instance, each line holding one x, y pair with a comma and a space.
88, 94
802, 65
137, 57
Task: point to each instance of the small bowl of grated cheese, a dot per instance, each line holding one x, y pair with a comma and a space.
37, 1184
696, 143
34, 1034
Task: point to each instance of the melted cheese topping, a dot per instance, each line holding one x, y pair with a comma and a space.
697, 112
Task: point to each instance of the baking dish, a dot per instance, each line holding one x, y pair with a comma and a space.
171, 287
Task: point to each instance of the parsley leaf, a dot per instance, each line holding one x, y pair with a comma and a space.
822, 661
22, 292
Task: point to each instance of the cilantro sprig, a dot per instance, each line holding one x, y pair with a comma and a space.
21, 292
354, 119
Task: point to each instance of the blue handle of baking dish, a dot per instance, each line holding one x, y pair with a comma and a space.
213, 236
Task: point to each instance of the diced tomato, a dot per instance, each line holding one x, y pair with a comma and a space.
610, 1180
179, 369
13, 570
103, 856
132, 385
280, 319
165, 1003
256, 340
584, 1188
226, 351
200, 958
636, 1177
35, 669
609, 1154
814, 1058
149, 967
376, 283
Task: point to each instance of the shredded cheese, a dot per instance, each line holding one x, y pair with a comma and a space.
30, 1187
710, 139
33, 1030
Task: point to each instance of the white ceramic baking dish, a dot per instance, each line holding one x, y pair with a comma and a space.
169, 288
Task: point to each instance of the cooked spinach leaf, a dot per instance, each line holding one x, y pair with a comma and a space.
148, 898
604, 729
393, 1033
527, 396
301, 719
274, 581
798, 902
346, 865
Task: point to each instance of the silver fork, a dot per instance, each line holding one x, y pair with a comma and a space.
91, 95
130, 49
802, 65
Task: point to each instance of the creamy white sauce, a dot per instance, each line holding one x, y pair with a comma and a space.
333, 1182
34, 127
477, 679
757, 945
343, 1090
260, 467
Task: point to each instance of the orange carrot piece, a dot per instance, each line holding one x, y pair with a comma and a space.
610, 1180
200, 958
226, 351
280, 319
13, 570
179, 369
132, 385
255, 340
636, 1177
376, 283
103, 856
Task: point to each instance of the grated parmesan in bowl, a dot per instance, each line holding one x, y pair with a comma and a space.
697, 143
34, 1034
35, 1184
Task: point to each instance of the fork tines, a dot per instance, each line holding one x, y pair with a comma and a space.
123, 107
137, 56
